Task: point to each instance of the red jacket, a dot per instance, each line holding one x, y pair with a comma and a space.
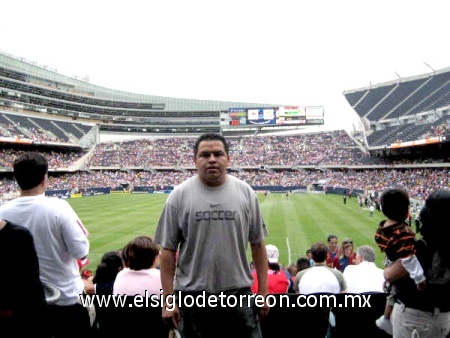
333, 262
277, 280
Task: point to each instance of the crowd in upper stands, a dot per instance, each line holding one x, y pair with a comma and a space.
419, 181
141, 163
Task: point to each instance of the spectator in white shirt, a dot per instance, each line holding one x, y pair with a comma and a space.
364, 276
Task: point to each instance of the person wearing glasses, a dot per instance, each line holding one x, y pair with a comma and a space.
347, 254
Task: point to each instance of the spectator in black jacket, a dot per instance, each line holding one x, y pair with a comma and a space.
427, 312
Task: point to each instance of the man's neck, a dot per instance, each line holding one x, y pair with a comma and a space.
32, 192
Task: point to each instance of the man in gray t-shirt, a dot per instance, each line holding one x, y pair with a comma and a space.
209, 220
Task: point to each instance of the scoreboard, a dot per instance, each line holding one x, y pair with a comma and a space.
272, 116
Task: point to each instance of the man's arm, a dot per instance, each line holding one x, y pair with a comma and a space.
259, 256
168, 264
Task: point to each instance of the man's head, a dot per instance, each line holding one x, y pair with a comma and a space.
319, 252
30, 170
395, 204
365, 253
302, 263
308, 254
211, 157
332, 242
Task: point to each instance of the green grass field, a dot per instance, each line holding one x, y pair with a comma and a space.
293, 225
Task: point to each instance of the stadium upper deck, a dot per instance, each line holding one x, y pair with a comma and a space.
29, 88
44, 107
405, 109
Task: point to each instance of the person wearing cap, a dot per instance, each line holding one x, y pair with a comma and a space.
60, 239
277, 279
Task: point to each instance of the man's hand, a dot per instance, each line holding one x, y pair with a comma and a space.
264, 311
171, 317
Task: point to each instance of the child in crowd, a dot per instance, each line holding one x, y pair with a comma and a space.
140, 275
106, 272
396, 239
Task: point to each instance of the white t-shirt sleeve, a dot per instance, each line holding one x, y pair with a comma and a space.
73, 231
412, 265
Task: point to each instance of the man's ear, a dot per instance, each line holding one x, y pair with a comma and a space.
44, 181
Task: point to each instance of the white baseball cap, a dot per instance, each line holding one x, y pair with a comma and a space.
272, 253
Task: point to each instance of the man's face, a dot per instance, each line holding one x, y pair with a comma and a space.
332, 244
212, 162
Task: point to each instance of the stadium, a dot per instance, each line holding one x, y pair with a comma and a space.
116, 155
101, 141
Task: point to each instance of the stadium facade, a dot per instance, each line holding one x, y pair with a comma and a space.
405, 126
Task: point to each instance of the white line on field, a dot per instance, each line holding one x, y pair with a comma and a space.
289, 250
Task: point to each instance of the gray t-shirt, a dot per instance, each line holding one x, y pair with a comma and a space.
211, 228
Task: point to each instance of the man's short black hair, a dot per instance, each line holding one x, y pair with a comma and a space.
302, 263
30, 169
319, 252
211, 137
330, 237
395, 204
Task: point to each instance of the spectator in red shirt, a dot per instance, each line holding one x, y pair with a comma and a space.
333, 252
277, 279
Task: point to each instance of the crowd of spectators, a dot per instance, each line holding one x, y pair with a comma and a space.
305, 149
159, 163
439, 130
19, 131
418, 181
56, 159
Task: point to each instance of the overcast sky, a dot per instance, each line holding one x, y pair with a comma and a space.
289, 52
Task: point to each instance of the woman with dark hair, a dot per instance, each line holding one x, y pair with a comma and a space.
106, 272
140, 275
425, 313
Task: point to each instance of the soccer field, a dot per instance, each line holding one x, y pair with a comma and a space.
293, 224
